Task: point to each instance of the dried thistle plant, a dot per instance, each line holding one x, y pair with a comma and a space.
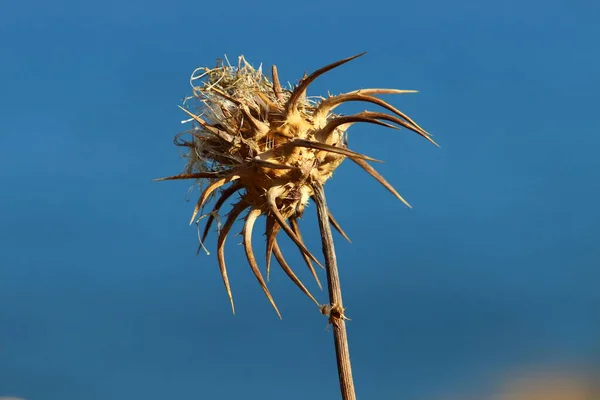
276, 148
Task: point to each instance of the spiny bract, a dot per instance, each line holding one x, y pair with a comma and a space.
272, 145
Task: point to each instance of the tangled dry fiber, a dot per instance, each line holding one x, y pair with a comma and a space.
272, 146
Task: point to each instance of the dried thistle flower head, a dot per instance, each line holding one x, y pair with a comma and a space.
271, 145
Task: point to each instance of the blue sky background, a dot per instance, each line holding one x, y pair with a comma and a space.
495, 268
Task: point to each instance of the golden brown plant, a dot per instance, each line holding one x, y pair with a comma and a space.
272, 146
276, 148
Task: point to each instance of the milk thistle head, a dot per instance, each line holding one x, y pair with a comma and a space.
270, 146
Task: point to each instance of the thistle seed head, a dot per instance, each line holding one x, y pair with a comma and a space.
271, 145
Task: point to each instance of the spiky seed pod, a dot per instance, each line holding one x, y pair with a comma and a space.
272, 145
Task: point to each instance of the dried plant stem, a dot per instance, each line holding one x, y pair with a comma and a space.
336, 309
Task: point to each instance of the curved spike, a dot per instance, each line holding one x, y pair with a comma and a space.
211, 188
324, 133
309, 144
296, 229
276, 84
235, 212
300, 90
272, 229
391, 118
197, 175
289, 272
364, 165
333, 222
262, 128
271, 196
247, 233
266, 155
302, 97
337, 226
383, 91
225, 194
326, 147
331, 103
215, 131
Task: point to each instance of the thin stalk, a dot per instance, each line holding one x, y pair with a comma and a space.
335, 308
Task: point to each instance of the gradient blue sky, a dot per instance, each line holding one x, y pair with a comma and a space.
495, 267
